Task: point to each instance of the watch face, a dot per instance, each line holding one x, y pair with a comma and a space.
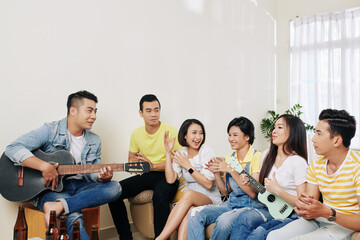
191, 170
331, 219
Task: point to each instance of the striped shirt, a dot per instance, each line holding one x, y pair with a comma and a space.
340, 189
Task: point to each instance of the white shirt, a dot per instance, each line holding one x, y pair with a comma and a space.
290, 174
77, 144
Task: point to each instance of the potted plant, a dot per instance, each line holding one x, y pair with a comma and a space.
267, 124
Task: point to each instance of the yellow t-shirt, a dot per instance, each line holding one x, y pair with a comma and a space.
340, 189
251, 156
152, 146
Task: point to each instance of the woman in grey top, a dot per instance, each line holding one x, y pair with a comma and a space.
190, 162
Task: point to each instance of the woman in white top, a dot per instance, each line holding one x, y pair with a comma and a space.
189, 162
283, 173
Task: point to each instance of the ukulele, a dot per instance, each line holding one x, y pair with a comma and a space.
278, 208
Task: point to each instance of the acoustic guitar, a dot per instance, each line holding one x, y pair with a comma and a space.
278, 208
20, 184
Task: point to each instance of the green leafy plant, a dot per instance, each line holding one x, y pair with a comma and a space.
267, 124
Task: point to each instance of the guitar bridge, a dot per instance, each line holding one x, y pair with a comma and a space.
283, 209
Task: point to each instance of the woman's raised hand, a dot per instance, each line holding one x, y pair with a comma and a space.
169, 144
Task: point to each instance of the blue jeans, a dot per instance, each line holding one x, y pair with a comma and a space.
257, 223
222, 214
80, 194
261, 232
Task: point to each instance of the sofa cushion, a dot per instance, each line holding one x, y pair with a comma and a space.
355, 236
181, 189
143, 197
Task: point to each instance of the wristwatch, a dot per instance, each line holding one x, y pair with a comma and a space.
333, 215
191, 170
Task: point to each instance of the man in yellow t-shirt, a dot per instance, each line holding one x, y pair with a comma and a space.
336, 175
147, 144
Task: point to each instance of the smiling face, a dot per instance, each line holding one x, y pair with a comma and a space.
84, 114
151, 113
280, 133
237, 138
194, 136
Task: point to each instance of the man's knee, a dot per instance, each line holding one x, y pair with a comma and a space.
273, 235
114, 190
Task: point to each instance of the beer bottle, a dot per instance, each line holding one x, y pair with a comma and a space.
21, 228
52, 231
95, 232
63, 232
76, 231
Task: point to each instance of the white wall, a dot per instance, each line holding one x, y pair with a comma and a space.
287, 10
211, 60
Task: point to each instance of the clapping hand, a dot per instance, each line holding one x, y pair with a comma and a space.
218, 165
309, 208
182, 159
169, 144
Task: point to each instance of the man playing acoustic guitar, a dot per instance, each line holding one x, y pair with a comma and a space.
72, 134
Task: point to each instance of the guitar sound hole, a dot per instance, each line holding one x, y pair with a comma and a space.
271, 198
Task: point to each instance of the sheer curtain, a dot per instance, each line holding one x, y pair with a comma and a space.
325, 64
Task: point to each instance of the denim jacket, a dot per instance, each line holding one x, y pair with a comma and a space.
52, 137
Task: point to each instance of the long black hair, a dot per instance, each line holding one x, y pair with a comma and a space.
296, 143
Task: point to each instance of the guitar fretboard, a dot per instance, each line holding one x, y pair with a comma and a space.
257, 186
77, 169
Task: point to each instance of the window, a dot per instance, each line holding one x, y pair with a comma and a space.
325, 64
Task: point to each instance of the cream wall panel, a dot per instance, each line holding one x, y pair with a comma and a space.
212, 60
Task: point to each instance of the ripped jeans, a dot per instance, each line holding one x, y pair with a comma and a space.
222, 214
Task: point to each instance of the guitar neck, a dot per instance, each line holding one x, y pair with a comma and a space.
257, 186
78, 169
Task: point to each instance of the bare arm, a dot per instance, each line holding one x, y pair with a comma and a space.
184, 162
212, 166
242, 181
219, 165
170, 174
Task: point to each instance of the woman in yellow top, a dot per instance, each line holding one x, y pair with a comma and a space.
241, 136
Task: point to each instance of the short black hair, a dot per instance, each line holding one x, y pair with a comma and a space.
245, 125
341, 123
76, 99
184, 129
148, 98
